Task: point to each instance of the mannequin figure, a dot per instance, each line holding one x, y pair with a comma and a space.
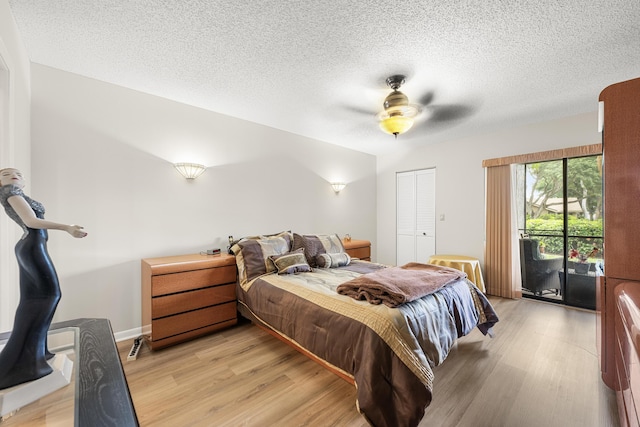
24, 357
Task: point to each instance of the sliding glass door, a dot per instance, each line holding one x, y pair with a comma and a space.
585, 243
560, 222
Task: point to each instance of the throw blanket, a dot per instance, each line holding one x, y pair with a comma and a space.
394, 286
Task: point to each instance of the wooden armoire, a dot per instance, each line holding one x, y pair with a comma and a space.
621, 175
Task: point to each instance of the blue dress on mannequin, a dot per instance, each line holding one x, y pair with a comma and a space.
24, 357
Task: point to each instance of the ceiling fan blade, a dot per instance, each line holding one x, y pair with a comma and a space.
438, 117
359, 110
449, 113
426, 99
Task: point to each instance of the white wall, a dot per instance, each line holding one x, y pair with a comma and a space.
15, 92
460, 179
102, 157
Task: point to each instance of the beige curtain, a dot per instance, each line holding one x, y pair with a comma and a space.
501, 258
502, 254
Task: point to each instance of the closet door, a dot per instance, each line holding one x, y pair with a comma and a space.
415, 216
425, 214
405, 217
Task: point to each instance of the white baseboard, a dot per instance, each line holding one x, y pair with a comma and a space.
64, 341
127, 335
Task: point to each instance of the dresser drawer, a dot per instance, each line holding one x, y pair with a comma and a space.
180, 323
186, 336
186, 301
179, 282
362, 253
358, 249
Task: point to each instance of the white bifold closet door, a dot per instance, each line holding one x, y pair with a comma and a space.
415, 216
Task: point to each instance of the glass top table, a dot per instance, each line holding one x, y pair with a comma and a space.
98, 393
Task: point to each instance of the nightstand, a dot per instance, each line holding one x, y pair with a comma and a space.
358, 249
187, 296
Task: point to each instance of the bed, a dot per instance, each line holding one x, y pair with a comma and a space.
293, 286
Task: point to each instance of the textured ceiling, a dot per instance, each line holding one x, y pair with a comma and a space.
317, 68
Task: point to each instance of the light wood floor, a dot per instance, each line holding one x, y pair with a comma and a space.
541, 369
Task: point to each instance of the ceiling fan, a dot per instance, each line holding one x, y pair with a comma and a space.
399, 115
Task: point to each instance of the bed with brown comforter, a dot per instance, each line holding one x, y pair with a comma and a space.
388, 349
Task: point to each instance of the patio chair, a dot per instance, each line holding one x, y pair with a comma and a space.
538, 274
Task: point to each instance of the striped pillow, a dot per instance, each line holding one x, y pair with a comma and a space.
252, 255
316, 244
291, 263
333, 260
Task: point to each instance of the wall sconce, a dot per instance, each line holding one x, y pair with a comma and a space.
338, 186
190, 170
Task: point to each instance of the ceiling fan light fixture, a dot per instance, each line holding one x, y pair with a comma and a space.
398, 114
396, 125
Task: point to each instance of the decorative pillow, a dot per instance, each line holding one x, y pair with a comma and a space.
290, 263
315, 244
333, 260
252, 255
286, 234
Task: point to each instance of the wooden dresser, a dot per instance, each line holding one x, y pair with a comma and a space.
187, 296
618, 356
358, 249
